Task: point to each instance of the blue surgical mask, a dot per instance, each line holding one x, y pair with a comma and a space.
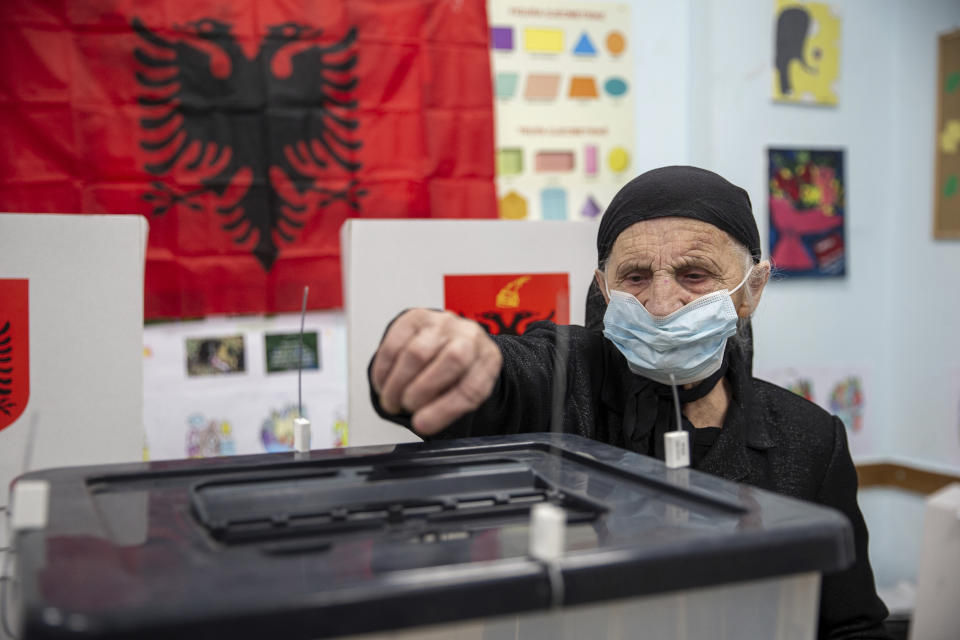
688, 343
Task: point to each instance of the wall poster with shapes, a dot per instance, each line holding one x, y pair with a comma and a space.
506, 304
806, 61
807, 212
946, 219
198, 411
564, 105
843, 391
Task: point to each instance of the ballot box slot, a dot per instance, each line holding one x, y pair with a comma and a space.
395, 499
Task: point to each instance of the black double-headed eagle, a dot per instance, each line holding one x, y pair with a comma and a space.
258, 138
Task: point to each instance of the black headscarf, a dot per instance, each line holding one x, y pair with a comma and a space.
686, 192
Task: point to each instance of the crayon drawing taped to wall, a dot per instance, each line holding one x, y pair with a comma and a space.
806, 61
807, 212
946, 219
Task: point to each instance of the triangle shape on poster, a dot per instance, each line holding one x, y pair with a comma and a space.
585, 46
590, 208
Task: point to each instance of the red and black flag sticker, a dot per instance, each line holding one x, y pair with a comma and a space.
14, 350
506, 304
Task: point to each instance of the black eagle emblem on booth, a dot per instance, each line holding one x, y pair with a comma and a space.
6, 370
258, 134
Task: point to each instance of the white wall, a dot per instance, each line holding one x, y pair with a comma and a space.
885, 122
924, 287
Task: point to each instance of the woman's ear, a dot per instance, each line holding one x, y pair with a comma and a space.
601, 284
753, 289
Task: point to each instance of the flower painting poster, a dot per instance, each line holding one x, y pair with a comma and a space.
807, 211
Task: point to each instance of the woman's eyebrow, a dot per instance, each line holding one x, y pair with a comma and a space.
631, 267
701, 262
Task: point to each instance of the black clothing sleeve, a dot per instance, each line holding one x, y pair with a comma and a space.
522, 397
849, 605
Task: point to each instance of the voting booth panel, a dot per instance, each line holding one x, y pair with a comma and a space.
418, 540
77, 375
393, 265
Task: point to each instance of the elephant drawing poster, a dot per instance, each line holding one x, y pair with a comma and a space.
807, 211
947, 196
506, 304
806, 64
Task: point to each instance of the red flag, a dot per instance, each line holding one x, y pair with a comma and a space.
246, 132
14, 350
507, 304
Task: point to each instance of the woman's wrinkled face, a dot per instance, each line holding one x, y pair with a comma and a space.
669, 262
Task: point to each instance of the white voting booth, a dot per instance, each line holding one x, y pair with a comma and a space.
392, 265
84, 283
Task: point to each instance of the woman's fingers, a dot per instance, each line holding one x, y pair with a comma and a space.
436, 366
470, 391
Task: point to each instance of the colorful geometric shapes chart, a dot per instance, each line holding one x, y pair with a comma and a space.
505, 84
509, 162
590, 160
583, 87
546, 161
590, 208
553, 204
615, 86
513, 206
616, 43
501, 38
618, 159
543, 40
542, 86
584, 46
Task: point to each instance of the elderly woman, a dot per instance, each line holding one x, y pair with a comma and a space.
679, 267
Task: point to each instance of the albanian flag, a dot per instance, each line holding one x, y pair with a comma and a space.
246, 132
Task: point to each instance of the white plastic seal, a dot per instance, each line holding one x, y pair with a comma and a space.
301, 435
547, 531
30, 504
676, 446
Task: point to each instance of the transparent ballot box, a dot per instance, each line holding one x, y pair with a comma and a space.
428, 540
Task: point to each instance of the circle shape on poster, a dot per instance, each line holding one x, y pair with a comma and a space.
616, 43
615, 86
618, 159
513, 206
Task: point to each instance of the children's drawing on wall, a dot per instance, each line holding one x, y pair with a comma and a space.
806, 202
842, 390
846, 402
209, 437
215, 356
947, 196
806, 62
506, 304
276, 431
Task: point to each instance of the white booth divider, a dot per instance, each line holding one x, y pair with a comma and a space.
84, 283
392, 265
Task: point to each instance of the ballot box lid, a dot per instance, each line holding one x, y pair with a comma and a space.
369, 539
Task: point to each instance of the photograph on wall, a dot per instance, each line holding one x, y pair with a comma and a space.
284, 351
807, 212
564, 106
506, 304
806, 64
215, 356
947, 197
